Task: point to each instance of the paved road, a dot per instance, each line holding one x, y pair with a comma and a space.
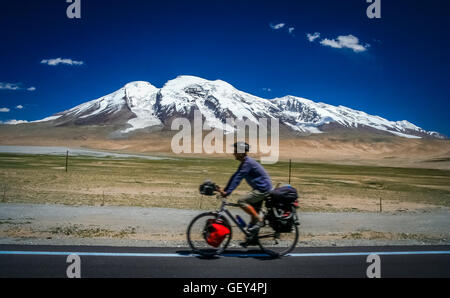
51, 261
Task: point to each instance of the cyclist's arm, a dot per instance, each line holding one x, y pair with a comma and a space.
237, 177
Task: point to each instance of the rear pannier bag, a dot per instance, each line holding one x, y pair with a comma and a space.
284, 196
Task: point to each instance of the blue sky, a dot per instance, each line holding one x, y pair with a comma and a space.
398, 66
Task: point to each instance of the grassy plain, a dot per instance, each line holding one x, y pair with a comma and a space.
173, 183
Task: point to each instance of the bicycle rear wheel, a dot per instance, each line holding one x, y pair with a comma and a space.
196, 235
276, 243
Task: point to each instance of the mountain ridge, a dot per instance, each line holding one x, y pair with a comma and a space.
140, 105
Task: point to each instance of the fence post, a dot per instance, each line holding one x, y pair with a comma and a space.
289, 171
67, 159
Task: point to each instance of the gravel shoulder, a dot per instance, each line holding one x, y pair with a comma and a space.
139, 226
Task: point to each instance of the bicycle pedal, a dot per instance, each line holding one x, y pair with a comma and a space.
243, 244
252, 241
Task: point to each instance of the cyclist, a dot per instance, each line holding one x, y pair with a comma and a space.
256, 177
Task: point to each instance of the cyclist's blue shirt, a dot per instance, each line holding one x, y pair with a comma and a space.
253, 173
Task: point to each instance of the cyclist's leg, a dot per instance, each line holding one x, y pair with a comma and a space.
250, 200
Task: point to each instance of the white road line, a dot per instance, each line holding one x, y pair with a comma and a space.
176, 255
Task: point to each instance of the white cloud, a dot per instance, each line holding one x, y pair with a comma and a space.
291, 29
9, 86
312, 37
57, 61
14, 122
14, 86
331, 43
345, 41
277, 26
4, 110
19, 107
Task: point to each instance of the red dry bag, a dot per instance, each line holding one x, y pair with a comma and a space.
216, 232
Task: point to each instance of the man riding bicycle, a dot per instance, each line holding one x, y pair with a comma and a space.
256, 177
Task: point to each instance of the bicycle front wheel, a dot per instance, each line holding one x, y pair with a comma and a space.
277, 243
197, 234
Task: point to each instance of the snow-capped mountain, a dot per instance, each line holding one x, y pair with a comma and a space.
133, 104
305, 115
140, 105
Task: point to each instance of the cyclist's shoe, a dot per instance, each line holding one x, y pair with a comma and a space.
251, 224
249, 242
254, 229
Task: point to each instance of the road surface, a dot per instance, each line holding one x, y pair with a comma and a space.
97, 261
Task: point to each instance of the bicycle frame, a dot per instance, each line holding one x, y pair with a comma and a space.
224, 211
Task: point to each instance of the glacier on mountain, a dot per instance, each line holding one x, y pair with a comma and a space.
140, 105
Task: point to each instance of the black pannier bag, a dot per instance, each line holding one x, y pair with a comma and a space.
283, 197
282, 223
282, 204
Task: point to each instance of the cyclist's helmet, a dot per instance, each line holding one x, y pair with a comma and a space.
241, 147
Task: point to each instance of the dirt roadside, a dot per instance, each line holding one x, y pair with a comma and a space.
138, 226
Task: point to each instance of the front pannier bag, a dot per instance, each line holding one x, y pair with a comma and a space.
215, 232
